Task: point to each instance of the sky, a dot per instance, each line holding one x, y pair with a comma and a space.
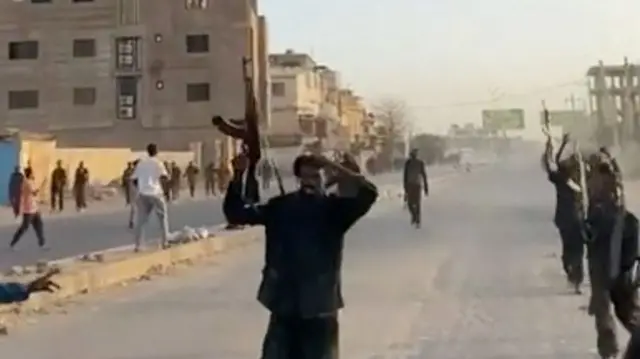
449, 59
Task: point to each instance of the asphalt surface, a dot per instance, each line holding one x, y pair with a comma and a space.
71, 234
480, 280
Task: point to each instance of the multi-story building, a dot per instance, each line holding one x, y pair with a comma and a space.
121, 73
301, 104
354, 114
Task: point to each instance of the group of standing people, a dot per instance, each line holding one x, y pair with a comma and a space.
609, 233
60, 181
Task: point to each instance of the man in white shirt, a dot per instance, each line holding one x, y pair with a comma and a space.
148, 177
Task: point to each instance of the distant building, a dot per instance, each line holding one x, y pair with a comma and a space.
122, 73
303, 97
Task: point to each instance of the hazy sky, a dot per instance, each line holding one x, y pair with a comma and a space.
436, 53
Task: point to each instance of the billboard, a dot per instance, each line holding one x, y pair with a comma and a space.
503, 119
568, 120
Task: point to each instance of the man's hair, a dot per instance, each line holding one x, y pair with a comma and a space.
28, 172
152, 149
304, 160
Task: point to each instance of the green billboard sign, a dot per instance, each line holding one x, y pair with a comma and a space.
503, 119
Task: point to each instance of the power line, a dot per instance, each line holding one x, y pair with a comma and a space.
502, 96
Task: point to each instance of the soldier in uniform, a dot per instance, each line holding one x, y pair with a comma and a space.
58, 184
176, 180
191, 173
80, 181
304, 240
415, 181
210, 179
611, 287
126, 182
568, 216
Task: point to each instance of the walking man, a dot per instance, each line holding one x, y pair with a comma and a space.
80, 182
415, 181
568, 215
148, 177
30, 212
210, 188
191, 173
301, 279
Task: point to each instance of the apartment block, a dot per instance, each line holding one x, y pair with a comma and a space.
301, 101
122, 73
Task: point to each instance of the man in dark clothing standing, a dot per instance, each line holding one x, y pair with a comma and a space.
191, 173
58, 185
568, 214
415, 181
80, 181
15, 186
304, 241
608, 289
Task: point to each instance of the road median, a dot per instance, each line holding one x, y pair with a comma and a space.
100, 271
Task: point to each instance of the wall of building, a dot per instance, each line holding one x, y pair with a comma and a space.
165, 116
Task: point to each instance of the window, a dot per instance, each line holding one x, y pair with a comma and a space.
23, 50
128, 12
278, 89
84, 96
22, 100
196, 4
41, 1
198, 92
75, 1
197, 43
127, 95
127, 53
84, 48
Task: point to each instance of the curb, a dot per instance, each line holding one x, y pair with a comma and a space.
82, 277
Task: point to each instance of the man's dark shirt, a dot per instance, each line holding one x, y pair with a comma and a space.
566, 199
58, 179
304, 237
415, 173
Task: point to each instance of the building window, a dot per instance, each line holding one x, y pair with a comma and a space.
196, 4
127, 95
84, 96
199, 92
127, 54
84, 48
76, 1
278, 89
22, 100
197, 43
41, 1
23, 50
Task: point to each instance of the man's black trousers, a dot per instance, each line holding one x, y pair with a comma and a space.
291, 337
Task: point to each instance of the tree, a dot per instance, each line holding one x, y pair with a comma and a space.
392, 114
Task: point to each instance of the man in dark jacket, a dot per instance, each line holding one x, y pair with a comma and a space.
80, 182
58, 185
18, 292
415, 181
15, 190
609, 288
302, 274
568, 215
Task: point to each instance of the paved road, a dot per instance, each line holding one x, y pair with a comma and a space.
107, 228
481, 280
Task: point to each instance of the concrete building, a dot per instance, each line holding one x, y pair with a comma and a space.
614, 101
353, 114
121, 73
301, 105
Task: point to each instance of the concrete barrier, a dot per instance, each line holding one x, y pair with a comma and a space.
113, 268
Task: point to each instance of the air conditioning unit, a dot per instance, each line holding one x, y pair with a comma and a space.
126, 100
126, 112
